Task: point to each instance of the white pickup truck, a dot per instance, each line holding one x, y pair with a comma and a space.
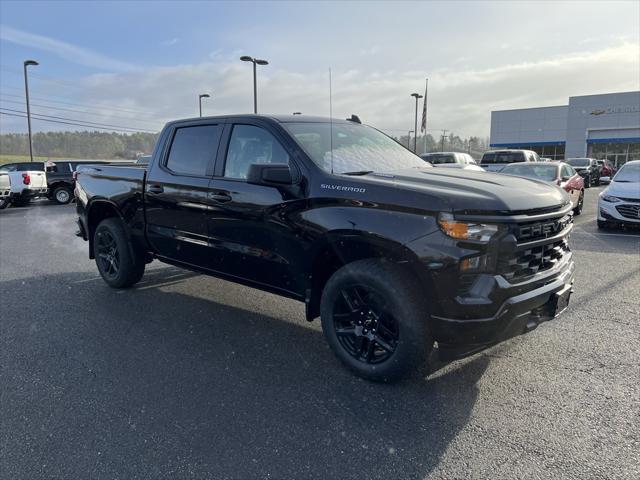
5, 190
28, 181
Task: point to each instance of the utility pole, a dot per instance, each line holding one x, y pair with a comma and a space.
444, 135
409, 139
26, 92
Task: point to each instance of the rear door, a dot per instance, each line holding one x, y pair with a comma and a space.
176, 191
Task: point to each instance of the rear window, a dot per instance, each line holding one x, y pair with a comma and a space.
538, 170
193, 149
502, 157
579, 162
439, 159
62, 167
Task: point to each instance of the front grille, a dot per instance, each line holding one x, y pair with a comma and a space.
629, 211
530, 231
525, 263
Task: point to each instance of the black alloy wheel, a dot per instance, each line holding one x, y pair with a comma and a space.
365, 328
375, 318
107, 254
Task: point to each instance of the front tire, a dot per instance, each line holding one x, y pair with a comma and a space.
578, 210
375, 320
62, 195
119, 264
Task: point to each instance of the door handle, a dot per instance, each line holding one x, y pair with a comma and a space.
220, 197
155, 189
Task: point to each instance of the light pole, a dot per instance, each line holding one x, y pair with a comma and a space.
409, 139
200, 97
255, 61
415, 127
26, 92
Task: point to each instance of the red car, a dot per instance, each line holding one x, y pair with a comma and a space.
607, 168
558, 173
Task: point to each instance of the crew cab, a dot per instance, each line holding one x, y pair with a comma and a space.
496, 160
391, 253
28, 181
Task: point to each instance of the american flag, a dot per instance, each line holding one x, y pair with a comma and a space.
423, 125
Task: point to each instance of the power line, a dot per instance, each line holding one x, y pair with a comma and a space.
76, 111
73, 121
73, 104
70, 123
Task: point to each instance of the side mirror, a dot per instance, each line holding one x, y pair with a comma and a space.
605, 180
270, 174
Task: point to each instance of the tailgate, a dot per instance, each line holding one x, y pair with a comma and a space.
38, 180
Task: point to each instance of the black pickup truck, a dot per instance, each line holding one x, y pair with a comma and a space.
392, 254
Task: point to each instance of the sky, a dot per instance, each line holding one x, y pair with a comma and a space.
136, 65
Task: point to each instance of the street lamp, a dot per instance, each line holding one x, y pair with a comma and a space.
415, 128
26, 91
409, 139
255, 61
200, 97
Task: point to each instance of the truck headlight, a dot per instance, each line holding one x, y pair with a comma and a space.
610, 198
479, 232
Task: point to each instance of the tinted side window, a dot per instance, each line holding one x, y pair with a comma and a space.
248, 145
23, 167
193, 149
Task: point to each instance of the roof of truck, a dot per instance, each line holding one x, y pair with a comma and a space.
283, 118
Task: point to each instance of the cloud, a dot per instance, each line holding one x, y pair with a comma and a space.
461, 97
169, 42
69, 52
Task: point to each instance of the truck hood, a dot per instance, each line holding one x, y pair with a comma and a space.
468, 190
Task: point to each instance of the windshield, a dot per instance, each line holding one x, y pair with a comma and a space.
533, 170
439, 159
578, 162
356, 148
502, 157
628, 173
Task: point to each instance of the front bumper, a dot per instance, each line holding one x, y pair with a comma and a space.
609, 212
517, 315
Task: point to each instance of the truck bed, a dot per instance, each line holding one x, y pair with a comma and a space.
124, 183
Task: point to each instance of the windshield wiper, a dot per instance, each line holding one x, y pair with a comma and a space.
358, 172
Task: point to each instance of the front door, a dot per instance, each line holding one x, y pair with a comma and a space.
176, 193
248, 224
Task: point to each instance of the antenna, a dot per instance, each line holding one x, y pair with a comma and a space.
331, 120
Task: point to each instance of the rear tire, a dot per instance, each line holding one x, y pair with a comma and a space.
375, 320
587, 182
4, 203
20, 202
119, 264
62, 195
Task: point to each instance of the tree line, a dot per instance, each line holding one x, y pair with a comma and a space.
90, 145
107, 145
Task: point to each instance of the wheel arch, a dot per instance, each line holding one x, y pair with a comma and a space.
98, 211
340, 248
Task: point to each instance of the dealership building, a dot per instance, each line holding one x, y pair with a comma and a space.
603, 126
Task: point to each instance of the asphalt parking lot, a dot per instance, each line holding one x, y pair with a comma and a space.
187, 376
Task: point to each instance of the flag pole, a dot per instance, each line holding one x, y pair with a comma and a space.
426, 88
